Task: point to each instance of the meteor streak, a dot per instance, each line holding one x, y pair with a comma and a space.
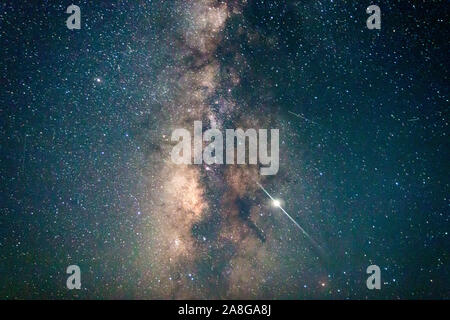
278, 204
302, 117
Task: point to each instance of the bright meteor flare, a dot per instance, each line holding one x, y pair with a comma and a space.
277, 203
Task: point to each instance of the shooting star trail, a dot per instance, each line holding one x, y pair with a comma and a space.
302, 117
306, 234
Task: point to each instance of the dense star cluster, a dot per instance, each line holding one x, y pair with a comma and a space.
87, 177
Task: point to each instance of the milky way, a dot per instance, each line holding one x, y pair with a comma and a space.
223, 200
87, 177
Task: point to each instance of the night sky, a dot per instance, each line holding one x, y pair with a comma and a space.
86, 176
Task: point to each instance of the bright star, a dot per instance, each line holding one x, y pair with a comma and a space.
276, 203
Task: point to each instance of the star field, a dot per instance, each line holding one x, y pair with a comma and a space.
86, 176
